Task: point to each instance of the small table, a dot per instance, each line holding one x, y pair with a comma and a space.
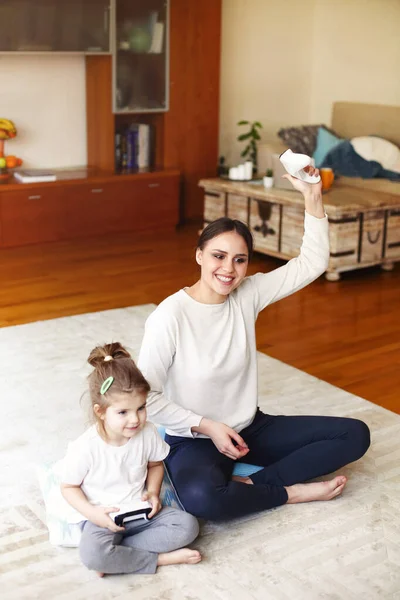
364, 225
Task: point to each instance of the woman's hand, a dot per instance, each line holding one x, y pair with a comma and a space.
222, 436
312, 192
302, 186
154, 500
100, 517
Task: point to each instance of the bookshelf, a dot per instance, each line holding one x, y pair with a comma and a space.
96, 200
186, 92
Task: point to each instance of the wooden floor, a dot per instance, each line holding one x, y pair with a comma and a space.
346, 333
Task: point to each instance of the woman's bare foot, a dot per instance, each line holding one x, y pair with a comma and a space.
242, 479
100, 574
179, 557
322, 490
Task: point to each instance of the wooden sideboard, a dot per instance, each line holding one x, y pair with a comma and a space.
364, 225
85, 202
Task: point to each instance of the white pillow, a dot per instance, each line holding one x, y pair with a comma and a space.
61, 531
377, 149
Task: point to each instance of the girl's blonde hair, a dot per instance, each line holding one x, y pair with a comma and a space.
112, 360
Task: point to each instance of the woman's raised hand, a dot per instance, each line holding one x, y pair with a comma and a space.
224, 437
302, 186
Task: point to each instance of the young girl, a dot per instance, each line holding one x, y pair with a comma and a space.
114, 468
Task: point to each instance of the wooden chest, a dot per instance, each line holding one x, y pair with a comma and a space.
364, 226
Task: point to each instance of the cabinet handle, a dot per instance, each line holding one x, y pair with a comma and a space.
154, 185
97, 190
34, 197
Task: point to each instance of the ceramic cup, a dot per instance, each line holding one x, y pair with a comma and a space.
327, 177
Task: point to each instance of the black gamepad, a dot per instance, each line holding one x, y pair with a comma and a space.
133, 515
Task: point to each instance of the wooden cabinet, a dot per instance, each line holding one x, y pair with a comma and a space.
100, 208
55, 26
93, 209
32, 216
88, 206
140, 66
165, 55
392, 246
364, 227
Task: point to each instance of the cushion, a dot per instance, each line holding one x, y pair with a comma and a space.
303, 138
63, 533
378, 149
240, 469
326, 141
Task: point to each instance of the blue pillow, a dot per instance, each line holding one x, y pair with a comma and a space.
326, 141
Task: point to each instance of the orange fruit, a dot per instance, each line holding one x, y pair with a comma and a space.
11, 161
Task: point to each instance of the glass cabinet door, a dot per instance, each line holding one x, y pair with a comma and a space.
54, 26
140, 57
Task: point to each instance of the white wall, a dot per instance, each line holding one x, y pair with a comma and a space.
45, 97
265, 66
286, 63
356, 54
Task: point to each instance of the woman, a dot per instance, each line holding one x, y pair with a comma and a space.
199, 356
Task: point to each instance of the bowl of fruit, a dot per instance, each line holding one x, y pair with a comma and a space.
7, 163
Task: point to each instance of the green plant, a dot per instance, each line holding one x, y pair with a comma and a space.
269, 173
252, 137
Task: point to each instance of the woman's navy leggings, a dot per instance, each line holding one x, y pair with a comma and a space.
291, 450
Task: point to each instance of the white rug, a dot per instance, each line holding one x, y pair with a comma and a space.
345, 549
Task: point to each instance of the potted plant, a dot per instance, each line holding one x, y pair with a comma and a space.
252, 137
268, 179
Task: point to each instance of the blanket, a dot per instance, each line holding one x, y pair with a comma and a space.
344, 160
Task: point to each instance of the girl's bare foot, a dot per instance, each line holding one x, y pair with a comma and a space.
242, 479
322, 490
179, 557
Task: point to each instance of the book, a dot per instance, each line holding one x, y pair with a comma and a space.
132, 136
34, 175
157, 39
144, 146
118, 151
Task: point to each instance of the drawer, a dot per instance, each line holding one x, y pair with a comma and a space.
392, 249
214, 205
94, 209
91, 209
265, 225
344, 236
237, 207
32, 216
292, 230
373, 224
150, 204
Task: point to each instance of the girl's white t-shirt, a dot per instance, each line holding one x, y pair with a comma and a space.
111, 475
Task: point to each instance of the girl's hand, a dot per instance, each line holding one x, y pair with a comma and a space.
155, 502
222, 436
302, 186
100, 517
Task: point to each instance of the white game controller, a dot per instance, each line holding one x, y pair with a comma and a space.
294, 165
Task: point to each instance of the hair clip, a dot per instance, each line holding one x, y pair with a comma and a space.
107, 383
108, 357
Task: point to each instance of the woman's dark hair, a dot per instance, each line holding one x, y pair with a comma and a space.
112, 360
223, 225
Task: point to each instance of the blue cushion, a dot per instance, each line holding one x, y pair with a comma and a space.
240, 469
326, 141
